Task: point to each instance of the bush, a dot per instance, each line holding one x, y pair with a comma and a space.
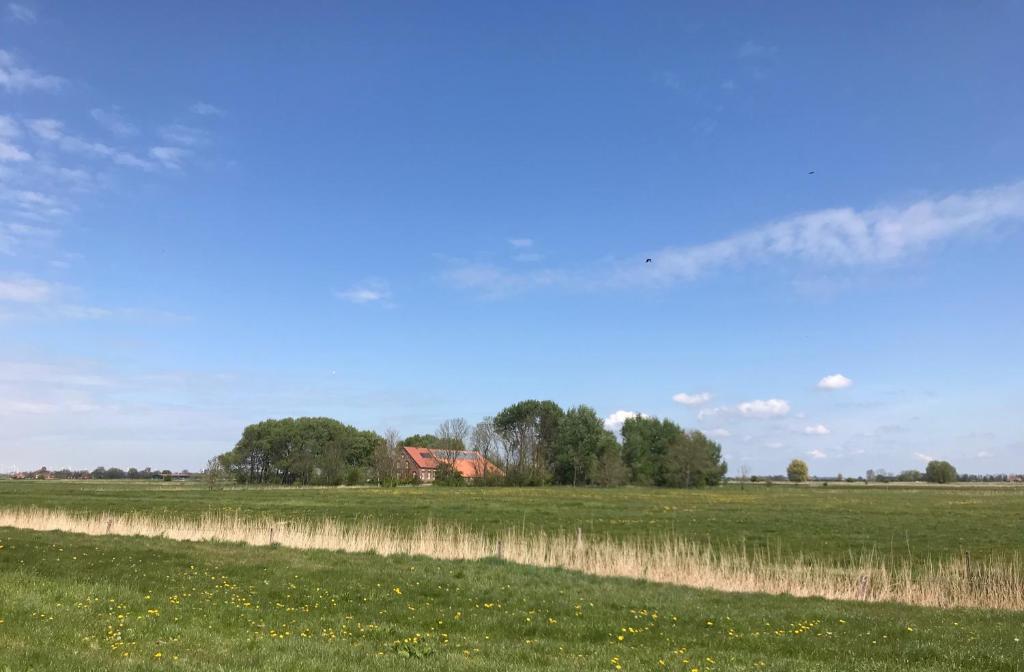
449, 476
353, 476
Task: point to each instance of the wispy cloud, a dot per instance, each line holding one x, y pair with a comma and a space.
369, 291
520, 242
21, 13
26, 290
819, 430
15, 78
831, 239
206, 109
169, 157
692, 399
114, 121
52, 130
186, 136
817, 454
836, 381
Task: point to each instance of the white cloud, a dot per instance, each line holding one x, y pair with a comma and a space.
712, 412
764, 407
819, 430
774, 445
836, 238
817, 454
692, 399
170, 157
16, 79
366, 292
53, 131
836, 381
21, 13
9, 152
520, 242
25, 290
8, 127
843, 237
186, 136
720, 432
613, 422
206, 109
923, 457
114, 121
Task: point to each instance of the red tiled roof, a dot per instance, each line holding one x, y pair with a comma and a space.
469, 463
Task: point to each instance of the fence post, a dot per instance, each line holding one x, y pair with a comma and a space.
498, 550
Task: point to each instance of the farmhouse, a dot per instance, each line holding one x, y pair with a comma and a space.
423, 462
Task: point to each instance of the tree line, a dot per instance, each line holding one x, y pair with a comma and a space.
533, 442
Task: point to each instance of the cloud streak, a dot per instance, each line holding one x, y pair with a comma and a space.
832, 239
15, 78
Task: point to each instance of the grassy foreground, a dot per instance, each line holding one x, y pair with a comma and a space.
70, 602
817, 522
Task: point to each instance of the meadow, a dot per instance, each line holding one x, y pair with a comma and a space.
77, 602
921, 523
72, 602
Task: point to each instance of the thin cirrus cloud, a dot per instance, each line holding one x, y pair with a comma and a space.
206, 109
20, 12
833, 238
113, 121
26, 290
819, 430
15, 78
817, 454
692, 399
371, 291
52, 131
836, 381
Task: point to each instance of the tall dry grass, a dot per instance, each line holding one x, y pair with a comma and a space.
992, 583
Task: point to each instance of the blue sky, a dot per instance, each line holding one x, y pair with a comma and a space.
395, 213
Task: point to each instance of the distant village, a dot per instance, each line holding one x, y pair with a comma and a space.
44, 474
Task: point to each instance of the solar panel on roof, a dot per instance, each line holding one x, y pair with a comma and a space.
425, 453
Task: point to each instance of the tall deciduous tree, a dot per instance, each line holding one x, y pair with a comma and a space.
797, 471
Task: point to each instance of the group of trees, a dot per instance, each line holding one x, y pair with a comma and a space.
301, 450
99, 472
937, 471
533, 442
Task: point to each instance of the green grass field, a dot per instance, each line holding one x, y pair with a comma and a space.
74, 602
926, 521
70, 602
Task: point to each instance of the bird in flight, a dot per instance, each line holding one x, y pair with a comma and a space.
810, 172
649, 260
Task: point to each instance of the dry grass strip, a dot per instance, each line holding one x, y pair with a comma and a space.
991, 583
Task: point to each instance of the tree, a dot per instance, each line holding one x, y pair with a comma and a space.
692, 460
215, 472
797, 471
485, 439
611, 470
451, 436
386, 458
578, 444
744, 475
420, 441
940, 471
529, 430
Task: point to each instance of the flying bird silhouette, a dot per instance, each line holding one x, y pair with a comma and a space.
649, 260
810, 172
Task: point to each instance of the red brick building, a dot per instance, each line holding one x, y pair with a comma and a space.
423, 462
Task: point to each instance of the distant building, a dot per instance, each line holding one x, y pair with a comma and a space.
423, 462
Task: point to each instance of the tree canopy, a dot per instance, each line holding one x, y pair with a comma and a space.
797, 471
300, 450
940, 471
